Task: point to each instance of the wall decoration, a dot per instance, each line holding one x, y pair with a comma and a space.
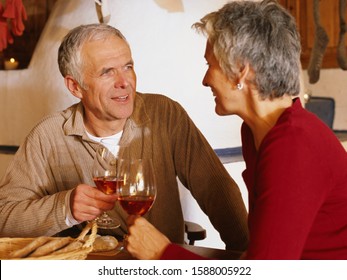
21, 24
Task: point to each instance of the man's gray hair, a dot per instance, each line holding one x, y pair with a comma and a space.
69, 53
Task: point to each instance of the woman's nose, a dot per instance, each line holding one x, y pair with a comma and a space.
204, 81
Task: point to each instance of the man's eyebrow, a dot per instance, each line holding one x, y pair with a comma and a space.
130, 62
105, 69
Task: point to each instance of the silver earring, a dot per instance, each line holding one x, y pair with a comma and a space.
239, 86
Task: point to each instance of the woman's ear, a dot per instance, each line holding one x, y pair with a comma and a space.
244, 72
73, 86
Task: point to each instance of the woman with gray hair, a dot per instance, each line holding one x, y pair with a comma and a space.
296, 171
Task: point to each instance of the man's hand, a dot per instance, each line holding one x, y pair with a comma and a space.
87, 202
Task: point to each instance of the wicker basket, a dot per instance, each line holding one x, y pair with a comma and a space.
8, 245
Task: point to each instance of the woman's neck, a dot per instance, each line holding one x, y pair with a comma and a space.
264, 115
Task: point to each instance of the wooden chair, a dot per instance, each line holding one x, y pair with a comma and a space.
194, 232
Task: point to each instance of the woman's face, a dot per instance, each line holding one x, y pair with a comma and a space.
224, 90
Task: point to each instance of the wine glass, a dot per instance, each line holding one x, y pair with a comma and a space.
105, 177
138, 191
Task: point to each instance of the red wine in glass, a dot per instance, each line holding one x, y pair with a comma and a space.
138, 192
108, 185
136, 204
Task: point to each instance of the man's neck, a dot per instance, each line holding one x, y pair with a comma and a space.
103, 129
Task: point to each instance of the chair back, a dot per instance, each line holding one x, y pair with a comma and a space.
323, 108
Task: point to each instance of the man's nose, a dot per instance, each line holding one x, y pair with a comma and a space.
120, 80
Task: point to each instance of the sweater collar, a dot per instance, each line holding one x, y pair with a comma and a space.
74, 124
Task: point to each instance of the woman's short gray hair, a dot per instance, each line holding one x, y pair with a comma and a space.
69, 53
262, 34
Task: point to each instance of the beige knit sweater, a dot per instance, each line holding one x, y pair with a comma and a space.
57, 155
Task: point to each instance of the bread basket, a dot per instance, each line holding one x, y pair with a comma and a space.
9, 245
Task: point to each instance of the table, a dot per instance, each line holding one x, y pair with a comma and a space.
211, 253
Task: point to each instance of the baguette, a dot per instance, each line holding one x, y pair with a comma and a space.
32, 246
75, 245
51, 246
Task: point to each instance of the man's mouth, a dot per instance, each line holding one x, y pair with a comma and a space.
121, 98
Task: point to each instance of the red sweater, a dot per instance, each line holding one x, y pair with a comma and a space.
297, 184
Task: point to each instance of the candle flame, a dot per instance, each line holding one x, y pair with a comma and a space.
12, 60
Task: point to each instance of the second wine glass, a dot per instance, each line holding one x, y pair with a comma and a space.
138, 192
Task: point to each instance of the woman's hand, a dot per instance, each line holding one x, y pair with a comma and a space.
144, 241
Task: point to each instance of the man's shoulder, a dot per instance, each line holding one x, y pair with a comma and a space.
160, 101
59, 115
54, 120
154, 96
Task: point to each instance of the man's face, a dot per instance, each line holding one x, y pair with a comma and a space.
109, 80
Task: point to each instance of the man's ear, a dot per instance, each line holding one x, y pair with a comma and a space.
73, 86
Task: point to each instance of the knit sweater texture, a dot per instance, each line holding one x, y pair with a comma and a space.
57, 155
